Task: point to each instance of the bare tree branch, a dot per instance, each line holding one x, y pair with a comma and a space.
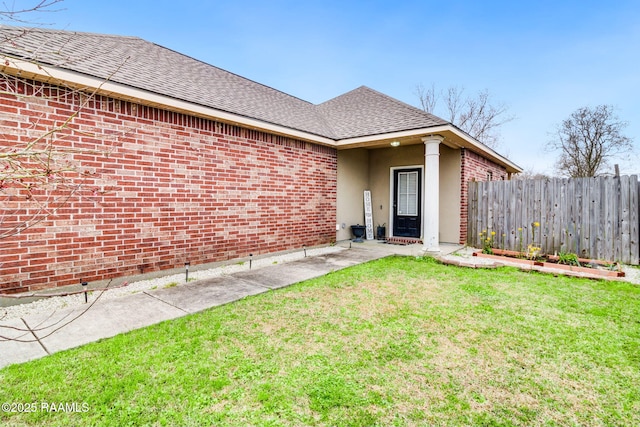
587, 140
41, 161
455, 105
24, 14
43, 170
428, 97
476, 115
528, 174
43, 325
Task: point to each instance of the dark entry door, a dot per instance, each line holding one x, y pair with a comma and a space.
407, 202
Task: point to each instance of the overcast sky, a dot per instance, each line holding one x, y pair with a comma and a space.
543, 59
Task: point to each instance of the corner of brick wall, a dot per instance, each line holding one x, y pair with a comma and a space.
174, 188
474, 168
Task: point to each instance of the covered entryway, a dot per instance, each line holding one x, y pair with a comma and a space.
401, 190
407, 202
416, 182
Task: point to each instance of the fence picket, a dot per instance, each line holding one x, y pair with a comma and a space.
592, 217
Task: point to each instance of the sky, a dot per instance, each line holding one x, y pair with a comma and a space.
542, 59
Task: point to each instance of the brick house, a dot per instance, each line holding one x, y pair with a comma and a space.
204, 165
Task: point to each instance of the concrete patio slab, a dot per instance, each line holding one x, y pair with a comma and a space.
307, 268
21, 346
103, 320
280, 277
283, 275
197, 296
357, 257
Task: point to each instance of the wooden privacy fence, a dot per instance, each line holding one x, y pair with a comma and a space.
595, 218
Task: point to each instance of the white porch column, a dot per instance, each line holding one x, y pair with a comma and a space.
431, 230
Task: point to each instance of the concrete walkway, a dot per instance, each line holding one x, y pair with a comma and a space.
36, 336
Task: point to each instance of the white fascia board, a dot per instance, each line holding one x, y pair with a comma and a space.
364, 140
448, 128
106, 87
483, 148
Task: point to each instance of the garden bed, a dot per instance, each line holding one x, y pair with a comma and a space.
591, 267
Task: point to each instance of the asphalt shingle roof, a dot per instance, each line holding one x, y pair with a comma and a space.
144, 65
364, 112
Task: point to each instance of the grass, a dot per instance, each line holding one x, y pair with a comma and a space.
395, 342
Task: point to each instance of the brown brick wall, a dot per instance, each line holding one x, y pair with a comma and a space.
173, 188
474, 168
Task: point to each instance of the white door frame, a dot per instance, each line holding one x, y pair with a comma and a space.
392, 169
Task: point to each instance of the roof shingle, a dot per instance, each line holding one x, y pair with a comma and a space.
144, 65
365, 112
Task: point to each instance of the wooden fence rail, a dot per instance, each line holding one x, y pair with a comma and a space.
596, 218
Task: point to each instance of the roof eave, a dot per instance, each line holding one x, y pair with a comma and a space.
454, 137
85, 82
473, 144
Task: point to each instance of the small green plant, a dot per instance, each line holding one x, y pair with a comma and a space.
568, 258
613, 266
534, 225
533, 252
170, 285
520, 242
487, 241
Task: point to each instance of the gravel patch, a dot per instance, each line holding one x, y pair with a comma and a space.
632, 274
52, 304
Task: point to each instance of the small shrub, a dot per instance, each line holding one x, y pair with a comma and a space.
568, 259
487, 241
533, 252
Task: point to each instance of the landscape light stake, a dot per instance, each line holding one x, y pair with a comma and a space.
84, 286
250, 260
304, 247
186, 271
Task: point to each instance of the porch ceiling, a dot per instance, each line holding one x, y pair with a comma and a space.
453, 138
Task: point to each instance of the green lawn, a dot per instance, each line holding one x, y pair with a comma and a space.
395, 342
